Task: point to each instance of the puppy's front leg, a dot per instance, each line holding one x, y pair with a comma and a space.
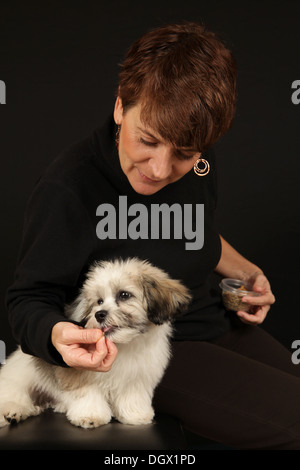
90, 410
133, 406
80, 397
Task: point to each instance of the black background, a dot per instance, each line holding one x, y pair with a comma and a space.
59, 61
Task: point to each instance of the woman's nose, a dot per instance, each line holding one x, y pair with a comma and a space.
161, 164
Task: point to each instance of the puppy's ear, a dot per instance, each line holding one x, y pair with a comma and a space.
165, 298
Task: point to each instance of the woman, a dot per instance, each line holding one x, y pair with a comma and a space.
176, 98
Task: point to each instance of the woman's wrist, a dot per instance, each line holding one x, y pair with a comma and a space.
233, 265
249, 274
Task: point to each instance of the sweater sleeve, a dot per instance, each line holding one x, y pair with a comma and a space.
57, 241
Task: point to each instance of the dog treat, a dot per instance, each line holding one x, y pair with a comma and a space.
233, 302
233, 290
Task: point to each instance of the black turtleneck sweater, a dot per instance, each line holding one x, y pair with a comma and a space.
65, 220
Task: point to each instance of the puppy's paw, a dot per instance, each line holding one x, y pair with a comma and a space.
83, 414
3, 421
13, 413
88, 421
136, 418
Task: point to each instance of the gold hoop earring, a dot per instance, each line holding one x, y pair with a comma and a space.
117, 137
201, 171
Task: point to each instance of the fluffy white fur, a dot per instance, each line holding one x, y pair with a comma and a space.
134, 303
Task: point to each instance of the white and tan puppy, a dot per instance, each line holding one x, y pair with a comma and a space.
133, 303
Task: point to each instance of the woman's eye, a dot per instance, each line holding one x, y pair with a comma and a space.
147, 142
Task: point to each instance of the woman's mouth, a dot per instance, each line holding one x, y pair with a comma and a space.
146, 178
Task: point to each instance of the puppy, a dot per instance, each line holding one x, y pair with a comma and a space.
134, 304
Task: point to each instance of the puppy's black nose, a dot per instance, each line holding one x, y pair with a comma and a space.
101, 315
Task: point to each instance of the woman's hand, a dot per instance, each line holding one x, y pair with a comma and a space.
260, 305
83, 348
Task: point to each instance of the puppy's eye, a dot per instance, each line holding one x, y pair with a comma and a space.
123, 295
100, 301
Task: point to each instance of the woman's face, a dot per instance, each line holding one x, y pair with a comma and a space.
147, 160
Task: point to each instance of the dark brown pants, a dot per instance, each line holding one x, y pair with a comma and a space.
241, 390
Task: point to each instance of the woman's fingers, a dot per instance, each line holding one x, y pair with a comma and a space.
83, 348
255, 318
264, 299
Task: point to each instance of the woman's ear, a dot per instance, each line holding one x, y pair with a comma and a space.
118, 111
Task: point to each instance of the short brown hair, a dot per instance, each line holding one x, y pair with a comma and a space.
185, 79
